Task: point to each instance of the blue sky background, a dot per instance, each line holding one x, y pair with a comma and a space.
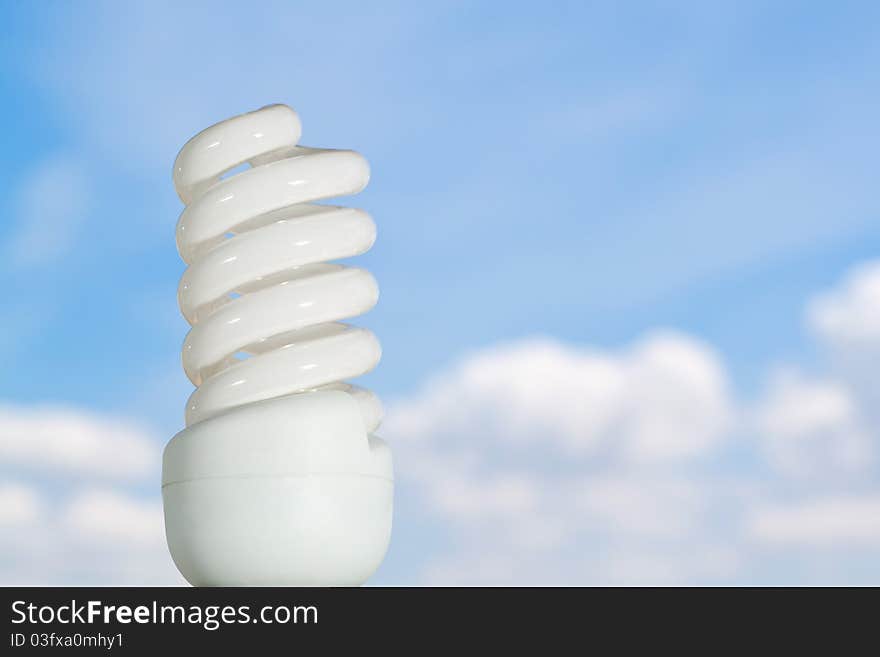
586, 173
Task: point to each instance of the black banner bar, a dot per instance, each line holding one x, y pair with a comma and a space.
381, 620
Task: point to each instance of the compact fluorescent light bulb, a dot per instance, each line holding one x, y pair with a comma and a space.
277, 478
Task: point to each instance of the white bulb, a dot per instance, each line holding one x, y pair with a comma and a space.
277, 478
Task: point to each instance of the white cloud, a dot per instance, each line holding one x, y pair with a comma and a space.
668, 566
76, 443
677, 400
111, 518
846, 320
54, 198
664, 399
848, 317
621, 527
642, 505
508, 495
96, 537
81, 537
813, 428
531, 449
836, 522
19, 505
554, 463
506, 391
91, 525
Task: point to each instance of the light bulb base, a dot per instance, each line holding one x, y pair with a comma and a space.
285, 492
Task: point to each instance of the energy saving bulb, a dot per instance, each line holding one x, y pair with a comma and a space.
278, 478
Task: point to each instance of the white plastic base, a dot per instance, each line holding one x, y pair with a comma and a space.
278, 531
287, 492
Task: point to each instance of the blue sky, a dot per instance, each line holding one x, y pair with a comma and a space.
548, 181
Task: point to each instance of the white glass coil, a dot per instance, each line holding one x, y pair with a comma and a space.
263, 301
